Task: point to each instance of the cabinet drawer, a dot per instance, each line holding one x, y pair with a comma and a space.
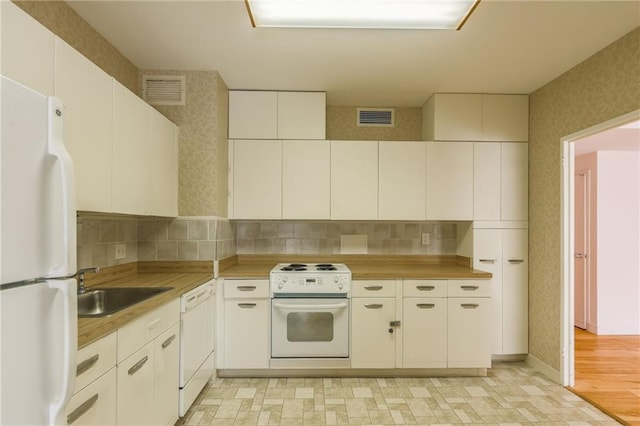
425, 288
94, 405
93, 360
469, 288
373, 288
234, 289
146, 328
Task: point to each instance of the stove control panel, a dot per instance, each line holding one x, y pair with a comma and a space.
310, 282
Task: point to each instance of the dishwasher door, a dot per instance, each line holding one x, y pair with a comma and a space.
195, 344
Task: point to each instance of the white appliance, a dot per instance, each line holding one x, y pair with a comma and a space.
310, 310
196, 343
38, 305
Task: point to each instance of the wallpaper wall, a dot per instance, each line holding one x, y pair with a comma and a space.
64, 22
202, 143
342, 125
604, 86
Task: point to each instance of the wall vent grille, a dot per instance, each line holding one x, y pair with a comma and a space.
375, 117
164, 89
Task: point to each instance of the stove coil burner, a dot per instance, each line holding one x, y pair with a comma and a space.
296, 267
325, 267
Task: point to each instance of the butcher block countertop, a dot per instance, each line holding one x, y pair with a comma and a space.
180, 276
363, 267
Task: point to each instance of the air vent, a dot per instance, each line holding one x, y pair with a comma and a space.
163, 89
376, 117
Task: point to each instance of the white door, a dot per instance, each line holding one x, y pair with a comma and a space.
515, 291
373, 341
425, 333
487, 250
581, 229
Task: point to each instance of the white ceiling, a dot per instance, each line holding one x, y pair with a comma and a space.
511, 46
622, 138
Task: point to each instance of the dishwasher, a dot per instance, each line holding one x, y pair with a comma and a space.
197, 339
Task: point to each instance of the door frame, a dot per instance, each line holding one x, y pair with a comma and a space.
567, 144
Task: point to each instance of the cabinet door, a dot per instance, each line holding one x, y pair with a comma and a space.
165, 381
302, 115
449, 181
257, 179
401, 181
372, 344
27, 50
135, 388
87, 93
305, 179
246, 334
457, 117
505, 118
487, 178
131, 144
253, 114
95, 405
515, 292
424, 336
162, 164
487, 256
515, 181
354, 180
468, 345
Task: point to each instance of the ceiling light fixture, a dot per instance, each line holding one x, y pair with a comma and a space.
378, 14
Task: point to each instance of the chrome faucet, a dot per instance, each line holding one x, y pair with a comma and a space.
80, 277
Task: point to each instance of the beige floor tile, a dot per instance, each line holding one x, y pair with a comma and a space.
356, 408
419, 392
263, 418
380, 417
334, 393
228, 409
314, 418
292, 408
247, 418
245, 393
279, 393
362, 392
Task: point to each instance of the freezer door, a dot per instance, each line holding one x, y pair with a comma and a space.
38, 325
38, 200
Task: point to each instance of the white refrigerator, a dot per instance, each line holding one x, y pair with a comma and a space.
38, 301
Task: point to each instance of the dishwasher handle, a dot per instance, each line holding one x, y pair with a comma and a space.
194, 298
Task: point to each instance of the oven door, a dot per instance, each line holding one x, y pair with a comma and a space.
310, 328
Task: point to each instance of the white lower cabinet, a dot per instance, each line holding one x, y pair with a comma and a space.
246, 338
468, 321
424, 332
147, 388
373, 342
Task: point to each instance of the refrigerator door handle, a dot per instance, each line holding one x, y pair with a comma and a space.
56, 149
69, 348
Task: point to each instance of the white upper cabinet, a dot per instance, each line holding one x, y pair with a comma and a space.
253, 115
257, 179
131, 142
476, 117
402, 179
302, 115
305, 179
505, 118
515, 181
449, 181
354, 180
162, 163
27, 50
87, 93
452, 117
276, 115
487, 180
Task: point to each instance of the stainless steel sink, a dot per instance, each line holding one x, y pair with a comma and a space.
107, 301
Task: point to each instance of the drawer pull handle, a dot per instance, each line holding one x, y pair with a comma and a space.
425, 305
247, 305
373, 287
83, 408
516, 261
488, 260
425, 287
167, 342
373, 305
469, 305
86, 364
246, 287
138, 365
191, 298
154, 323
469, 287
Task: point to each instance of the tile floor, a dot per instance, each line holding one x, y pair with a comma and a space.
512, 393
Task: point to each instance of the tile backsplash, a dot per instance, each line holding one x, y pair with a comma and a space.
150, 239
289, 237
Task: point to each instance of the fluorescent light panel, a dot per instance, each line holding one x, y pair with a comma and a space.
398, 14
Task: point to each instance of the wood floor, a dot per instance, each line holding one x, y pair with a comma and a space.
608, 374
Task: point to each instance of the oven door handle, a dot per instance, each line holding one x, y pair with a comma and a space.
310, 307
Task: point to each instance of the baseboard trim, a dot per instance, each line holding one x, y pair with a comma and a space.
544, 368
